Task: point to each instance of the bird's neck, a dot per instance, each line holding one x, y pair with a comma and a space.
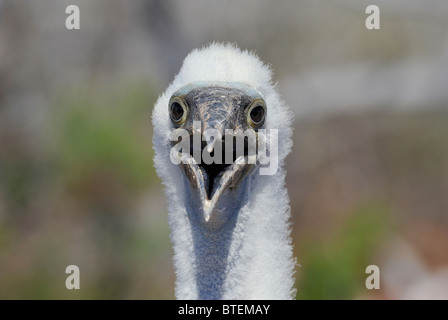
248, 257
217, 261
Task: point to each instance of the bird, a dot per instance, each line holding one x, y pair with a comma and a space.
230, 225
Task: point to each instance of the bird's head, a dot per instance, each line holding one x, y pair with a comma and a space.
215, 139
212, 131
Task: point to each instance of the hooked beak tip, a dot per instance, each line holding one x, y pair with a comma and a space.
208, 208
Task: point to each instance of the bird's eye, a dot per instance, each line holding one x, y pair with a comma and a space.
256, 113
178, 111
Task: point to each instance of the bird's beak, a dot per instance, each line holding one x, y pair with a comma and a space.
211, 192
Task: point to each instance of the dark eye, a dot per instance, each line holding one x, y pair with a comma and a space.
256, 114
178, 111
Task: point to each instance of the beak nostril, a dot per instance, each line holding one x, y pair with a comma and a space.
211, 147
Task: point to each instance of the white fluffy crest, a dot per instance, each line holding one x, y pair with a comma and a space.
219, 62
260, 264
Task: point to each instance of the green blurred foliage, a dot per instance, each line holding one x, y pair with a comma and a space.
79, 201
18, 176
104, 146
334, 267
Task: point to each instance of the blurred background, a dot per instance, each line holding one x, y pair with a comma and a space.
368, 176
